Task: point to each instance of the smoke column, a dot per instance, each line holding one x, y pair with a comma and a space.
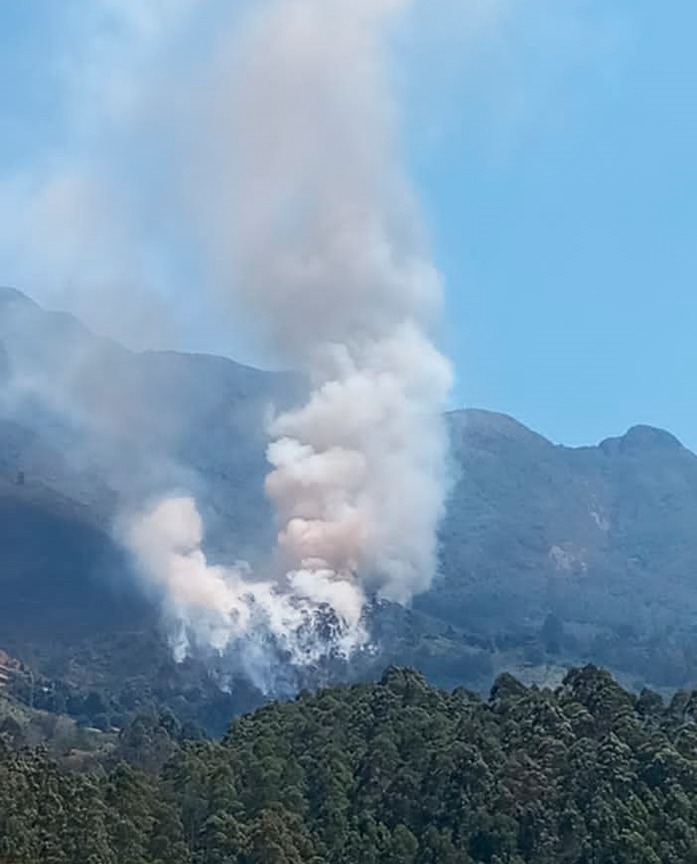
311, 228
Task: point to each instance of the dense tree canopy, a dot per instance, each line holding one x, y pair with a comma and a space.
395, 772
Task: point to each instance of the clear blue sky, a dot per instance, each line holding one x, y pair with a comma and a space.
555, 153
569, 233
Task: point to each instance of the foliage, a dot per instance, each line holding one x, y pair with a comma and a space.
395, 772
148, 681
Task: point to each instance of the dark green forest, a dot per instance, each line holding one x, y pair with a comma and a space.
396, 772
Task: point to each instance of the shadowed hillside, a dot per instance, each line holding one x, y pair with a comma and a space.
549, 555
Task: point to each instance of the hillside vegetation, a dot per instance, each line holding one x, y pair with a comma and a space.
392, 773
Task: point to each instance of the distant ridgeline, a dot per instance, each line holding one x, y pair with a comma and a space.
549, 556
392, 773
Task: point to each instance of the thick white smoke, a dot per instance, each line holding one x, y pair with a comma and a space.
280, 161
312, 227
275, 175
229, 611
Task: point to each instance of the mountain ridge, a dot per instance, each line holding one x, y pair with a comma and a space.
598, 540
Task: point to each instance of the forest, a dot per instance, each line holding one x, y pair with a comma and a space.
396, 771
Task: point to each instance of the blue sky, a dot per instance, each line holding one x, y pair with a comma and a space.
553, 147
568, 234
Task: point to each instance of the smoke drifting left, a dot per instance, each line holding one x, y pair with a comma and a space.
280, 160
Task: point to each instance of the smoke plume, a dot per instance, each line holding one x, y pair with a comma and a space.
311, 228
277, 158
252, 148
225, 609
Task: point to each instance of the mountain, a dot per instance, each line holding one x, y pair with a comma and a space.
549, 555
85, 425
600, 534
109, 424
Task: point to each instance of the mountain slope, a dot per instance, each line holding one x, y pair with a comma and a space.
129, 425
602, 534
549, 555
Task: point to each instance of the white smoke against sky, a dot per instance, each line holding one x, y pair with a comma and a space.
82, 222
271, 147
311, 228
323, 243
280, 155
88, 218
